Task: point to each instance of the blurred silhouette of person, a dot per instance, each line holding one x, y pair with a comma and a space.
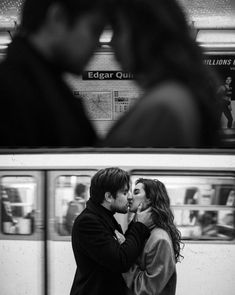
225, 92
178, 109
76, 206
14, 197
54, 37
208, 223
191, 198
6, 209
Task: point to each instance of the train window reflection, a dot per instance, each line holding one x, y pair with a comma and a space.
203, 206
205, 224
71, 194
18, 203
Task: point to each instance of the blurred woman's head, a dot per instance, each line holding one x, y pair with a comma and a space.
153, 193
153, 40
152, 37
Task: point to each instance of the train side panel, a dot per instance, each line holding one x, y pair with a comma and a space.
209, 252
22, 255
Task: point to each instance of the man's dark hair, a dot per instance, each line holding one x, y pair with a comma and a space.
34, 11
108, 180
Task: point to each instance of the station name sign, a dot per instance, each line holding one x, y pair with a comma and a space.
107, 75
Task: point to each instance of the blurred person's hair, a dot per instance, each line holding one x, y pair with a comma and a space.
34, 11
163, 49
161, 212
110, 180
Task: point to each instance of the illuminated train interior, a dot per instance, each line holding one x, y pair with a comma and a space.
36, 187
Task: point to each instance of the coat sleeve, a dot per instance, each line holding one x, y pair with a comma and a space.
160, 266
96, 241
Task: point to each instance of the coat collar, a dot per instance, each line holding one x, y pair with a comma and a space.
104, 214
21, 48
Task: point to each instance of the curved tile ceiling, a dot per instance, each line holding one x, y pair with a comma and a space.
210, 13
10, 11
204, 13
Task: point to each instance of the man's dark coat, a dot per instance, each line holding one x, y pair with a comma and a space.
99, 256
37, 107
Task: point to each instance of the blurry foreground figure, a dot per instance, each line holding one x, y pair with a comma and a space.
56, 36
154, 272
178, 109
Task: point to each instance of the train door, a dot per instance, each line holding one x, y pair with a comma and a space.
22, 233
68, 193
204, 206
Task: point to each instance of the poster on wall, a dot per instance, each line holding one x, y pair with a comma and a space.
122, 101
224, 65
98, 104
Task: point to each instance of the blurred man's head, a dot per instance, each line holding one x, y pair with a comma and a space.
65, 31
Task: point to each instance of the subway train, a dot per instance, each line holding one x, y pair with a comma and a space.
38, 207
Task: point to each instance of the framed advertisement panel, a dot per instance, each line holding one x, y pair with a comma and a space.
223, 63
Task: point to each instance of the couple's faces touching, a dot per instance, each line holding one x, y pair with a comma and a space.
125, 200
82, 40
120, 203
138, 196
74, 43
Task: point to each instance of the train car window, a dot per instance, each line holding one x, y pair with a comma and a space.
203, 206
71, 194
18, 203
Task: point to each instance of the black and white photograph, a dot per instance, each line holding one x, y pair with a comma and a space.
117, 147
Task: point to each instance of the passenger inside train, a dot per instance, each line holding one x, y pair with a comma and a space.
8, 222
76, 206
17, 211
179, 106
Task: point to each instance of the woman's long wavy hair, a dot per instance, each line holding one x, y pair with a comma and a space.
163, 48
161, 212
